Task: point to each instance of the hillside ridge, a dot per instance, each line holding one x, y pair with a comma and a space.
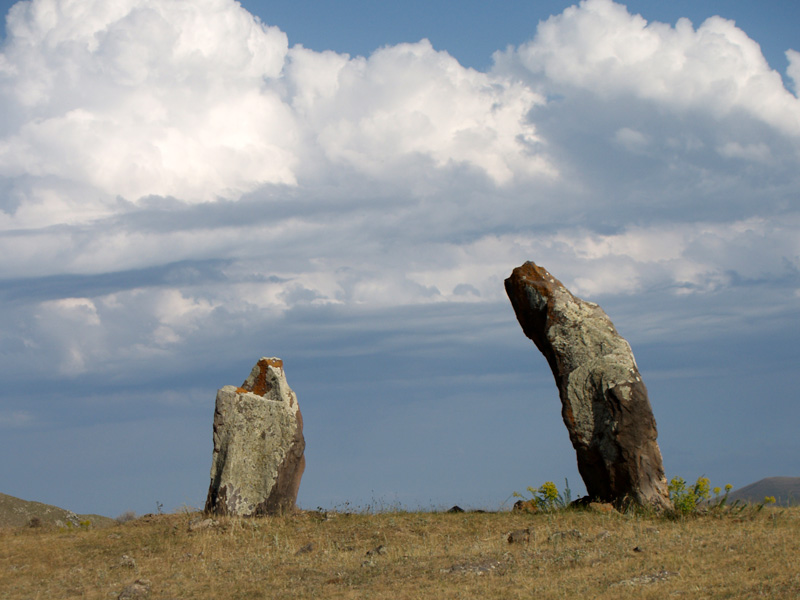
786, 491
16, 512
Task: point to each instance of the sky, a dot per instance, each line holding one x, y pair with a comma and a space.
186, 187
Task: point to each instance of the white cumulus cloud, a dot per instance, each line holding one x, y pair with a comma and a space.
138, 97
201, 100
375, 113
171, 168
599, 46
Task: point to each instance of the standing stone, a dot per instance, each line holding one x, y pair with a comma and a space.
604, 401
258, 445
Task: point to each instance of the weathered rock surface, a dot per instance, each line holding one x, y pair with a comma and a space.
258, 445
604, 401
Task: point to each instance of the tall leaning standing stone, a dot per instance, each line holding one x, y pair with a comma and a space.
604, 401
258, 455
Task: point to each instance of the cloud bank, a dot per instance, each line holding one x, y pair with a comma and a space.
174, 175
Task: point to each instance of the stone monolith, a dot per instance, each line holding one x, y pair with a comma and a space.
258, 455
603, 398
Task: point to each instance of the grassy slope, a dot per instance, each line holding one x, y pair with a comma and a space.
426, 555
15, 512
785, 489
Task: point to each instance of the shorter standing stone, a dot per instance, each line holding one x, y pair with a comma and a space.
258, 455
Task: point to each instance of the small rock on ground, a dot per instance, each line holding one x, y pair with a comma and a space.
519, 536
525, 506
647, 579
377, 550
137, 590
569, 533
478, 568
306, 549
200, 524
602, 507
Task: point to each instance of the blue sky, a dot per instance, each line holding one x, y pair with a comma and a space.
472, 31
184, 188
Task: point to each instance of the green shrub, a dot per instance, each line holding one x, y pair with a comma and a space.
547, 497
685, 499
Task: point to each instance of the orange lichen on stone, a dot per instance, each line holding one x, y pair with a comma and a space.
539, 278
241, 390
272, 362
261, 386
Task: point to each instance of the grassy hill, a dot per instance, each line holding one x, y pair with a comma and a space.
786, 491
744, 553
15, 512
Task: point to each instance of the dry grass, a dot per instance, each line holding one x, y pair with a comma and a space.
424, 555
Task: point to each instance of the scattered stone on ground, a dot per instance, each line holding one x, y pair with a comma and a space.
475, 568
135, 591
519, 536
604, 400
525, 506
646, 579
200, 524
562, 535
344, 547
602, 507
377, 550
127, 562
305, 549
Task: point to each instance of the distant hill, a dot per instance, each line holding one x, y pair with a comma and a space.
15, 512
785, 489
